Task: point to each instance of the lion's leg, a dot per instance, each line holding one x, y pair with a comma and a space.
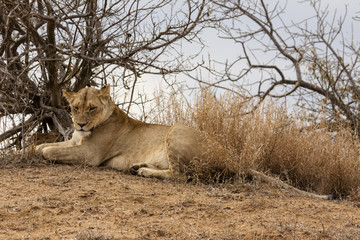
40, 147
146, 170
63, 154
183, 144
118, 162
75, 140
72, 155
152, 162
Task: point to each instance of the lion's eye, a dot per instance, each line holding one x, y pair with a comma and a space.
76, 108
92, 109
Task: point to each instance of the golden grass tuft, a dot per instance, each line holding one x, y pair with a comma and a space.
270, 140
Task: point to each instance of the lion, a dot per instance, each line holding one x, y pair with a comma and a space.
106, 135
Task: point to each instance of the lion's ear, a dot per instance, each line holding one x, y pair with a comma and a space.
105, 90
68, 95
104, 94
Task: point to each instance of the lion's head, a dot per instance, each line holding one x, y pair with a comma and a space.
89, 107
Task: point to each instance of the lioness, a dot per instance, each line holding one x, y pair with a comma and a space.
105, 135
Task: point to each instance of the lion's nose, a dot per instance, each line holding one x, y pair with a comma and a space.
82, 124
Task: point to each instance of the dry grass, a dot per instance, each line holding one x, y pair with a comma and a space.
270, 140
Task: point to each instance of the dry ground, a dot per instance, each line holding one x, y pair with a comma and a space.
44, 201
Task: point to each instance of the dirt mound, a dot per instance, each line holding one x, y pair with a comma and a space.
70, 202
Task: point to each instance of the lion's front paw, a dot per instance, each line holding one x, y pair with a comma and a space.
144, 172
39, 148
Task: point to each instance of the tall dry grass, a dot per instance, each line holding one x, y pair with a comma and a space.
272, 141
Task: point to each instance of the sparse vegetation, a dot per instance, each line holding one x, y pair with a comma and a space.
270, 140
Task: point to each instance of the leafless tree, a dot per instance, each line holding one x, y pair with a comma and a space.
311, 60
47, 45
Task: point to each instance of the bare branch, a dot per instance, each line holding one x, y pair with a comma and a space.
47, 45
321, 65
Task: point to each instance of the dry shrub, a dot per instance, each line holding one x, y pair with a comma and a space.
270, 140
215, 165
312, 159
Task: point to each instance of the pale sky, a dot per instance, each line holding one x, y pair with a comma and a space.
221, 50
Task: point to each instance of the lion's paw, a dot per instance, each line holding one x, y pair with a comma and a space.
38, 148
145, 172
136, 169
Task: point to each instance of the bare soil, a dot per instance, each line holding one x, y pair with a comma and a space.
42, 201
